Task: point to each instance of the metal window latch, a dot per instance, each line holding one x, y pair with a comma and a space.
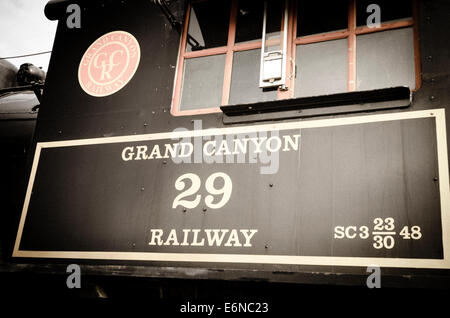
273, 52
272, 68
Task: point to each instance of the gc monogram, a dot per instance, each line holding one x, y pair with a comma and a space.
106, 67
109, 64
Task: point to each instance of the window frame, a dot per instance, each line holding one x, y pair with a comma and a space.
350, 34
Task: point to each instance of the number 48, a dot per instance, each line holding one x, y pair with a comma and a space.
415, 233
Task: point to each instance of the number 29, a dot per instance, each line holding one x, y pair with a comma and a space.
225, 191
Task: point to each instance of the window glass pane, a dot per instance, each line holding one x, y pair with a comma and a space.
208, 25
275, 10
321, 16
385, 59
203, 82
249, 20
321, 68
390, 10
245, 79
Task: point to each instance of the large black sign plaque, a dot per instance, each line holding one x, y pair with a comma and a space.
351, 191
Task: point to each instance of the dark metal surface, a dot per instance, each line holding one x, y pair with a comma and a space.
314, 189
318, 112
361, 97
144, 107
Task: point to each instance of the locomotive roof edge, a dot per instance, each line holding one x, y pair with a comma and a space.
54, 9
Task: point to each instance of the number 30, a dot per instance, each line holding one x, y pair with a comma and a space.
225, 191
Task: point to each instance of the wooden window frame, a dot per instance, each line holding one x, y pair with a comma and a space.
350, 34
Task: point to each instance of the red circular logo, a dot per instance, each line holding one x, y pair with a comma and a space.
109, 63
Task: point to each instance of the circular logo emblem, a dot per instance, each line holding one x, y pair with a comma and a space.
109, 63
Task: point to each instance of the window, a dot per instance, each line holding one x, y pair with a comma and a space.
330, 49
335, 50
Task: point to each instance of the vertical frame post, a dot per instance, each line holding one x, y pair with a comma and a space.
351, 81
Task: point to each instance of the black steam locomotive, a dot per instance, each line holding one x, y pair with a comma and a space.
259, 147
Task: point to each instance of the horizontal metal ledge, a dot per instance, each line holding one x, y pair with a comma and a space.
395, 278
400, 96
316, 112
57, 9
18, 116
24, 88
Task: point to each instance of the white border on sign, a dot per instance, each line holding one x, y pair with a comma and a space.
441, 135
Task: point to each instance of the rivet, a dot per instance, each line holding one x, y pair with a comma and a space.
271, 185
164, 162
204, 209
60, 132
142, 189
266, 246
184, 210
145, 124
435, 179
134, 244
432, 97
